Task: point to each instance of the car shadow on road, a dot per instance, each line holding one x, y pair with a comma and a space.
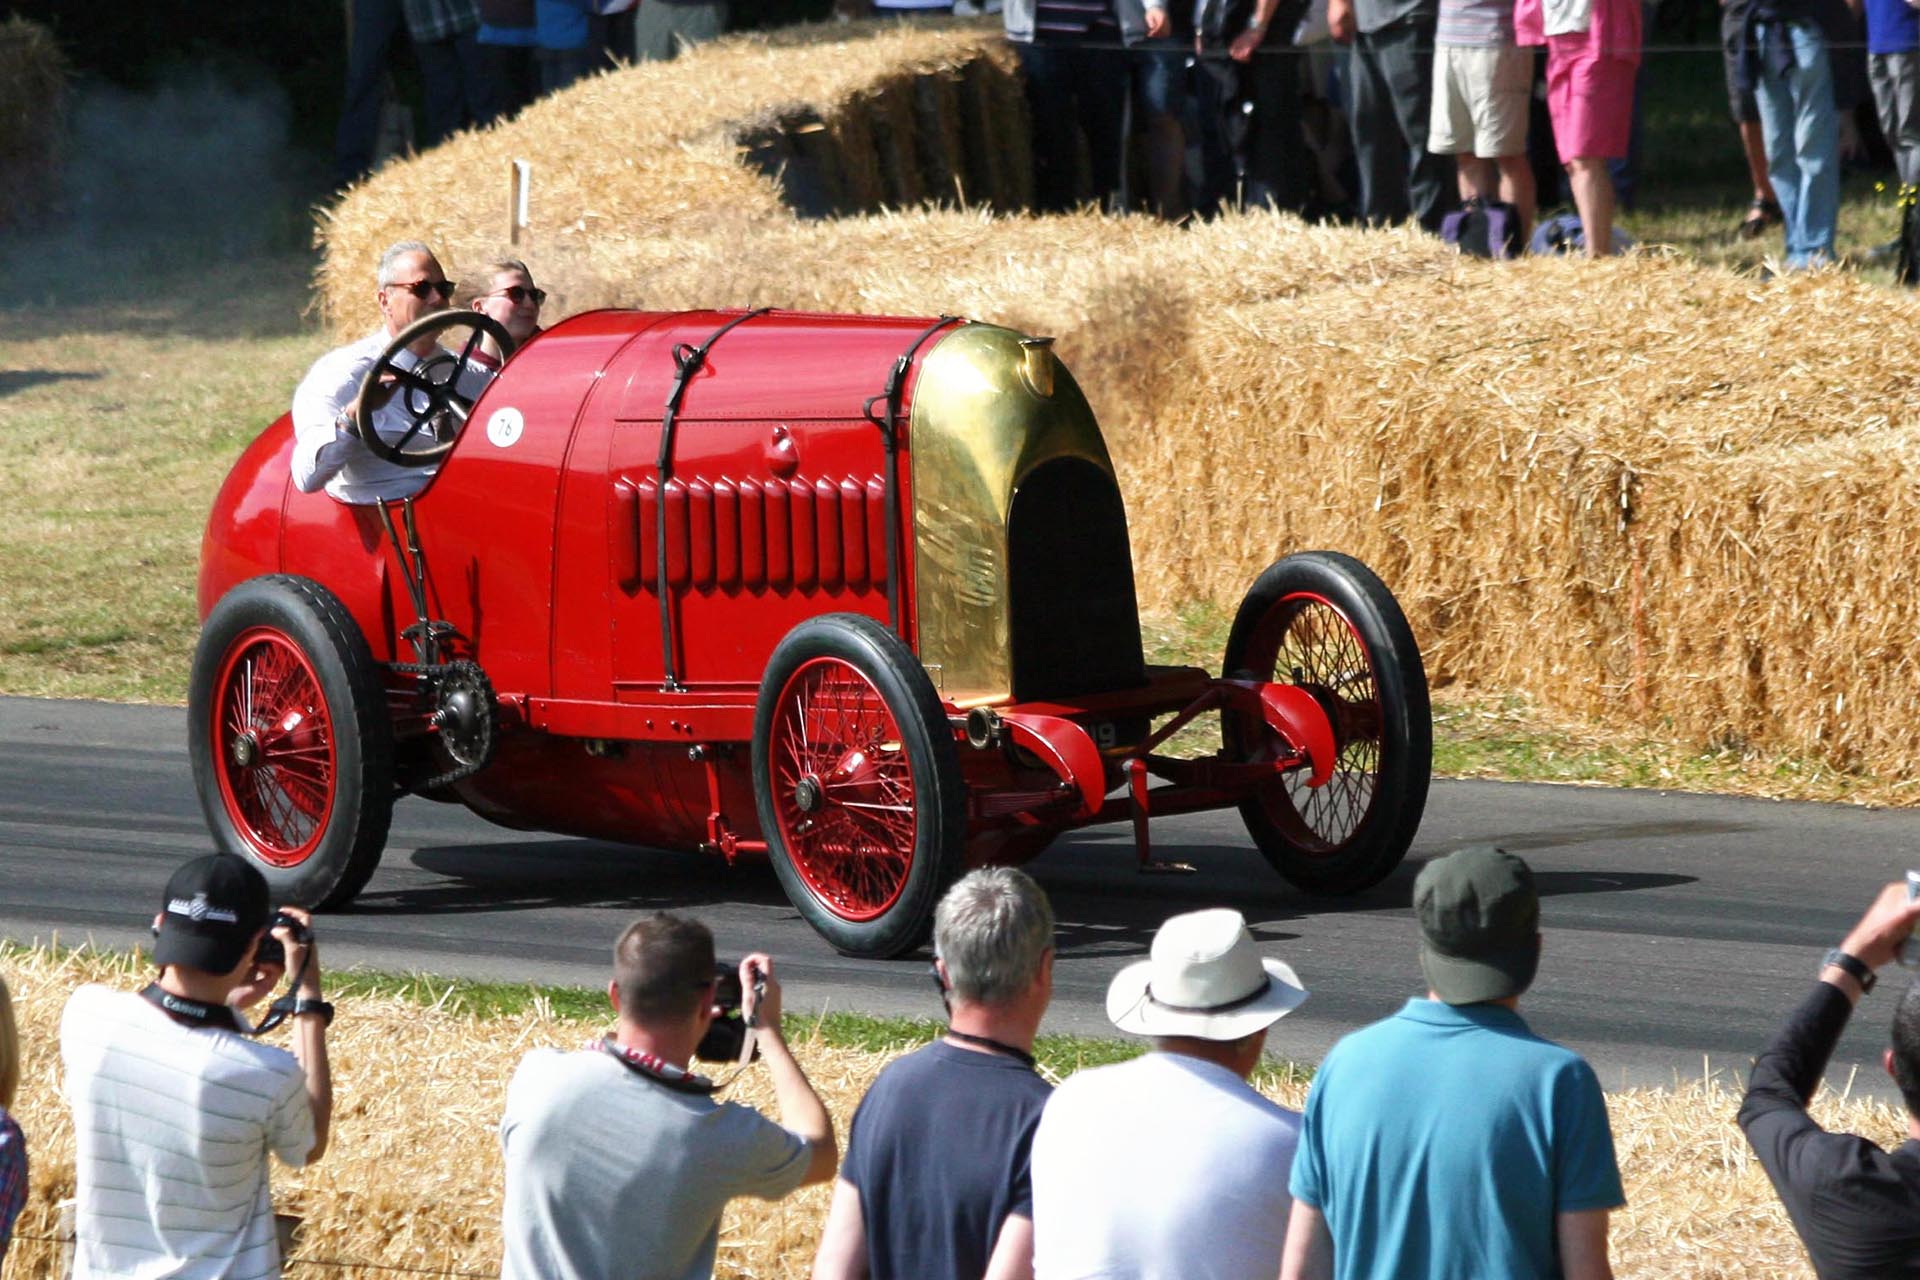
539, 874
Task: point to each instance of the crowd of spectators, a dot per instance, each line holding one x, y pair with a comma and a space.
1371, 110
483, 60
1448, 1139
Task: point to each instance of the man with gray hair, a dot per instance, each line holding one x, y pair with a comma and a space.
935, 1182
325, 449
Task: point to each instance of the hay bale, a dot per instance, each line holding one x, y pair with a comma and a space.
33, 109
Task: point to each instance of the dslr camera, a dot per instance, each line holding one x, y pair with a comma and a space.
271, 952
727, 1034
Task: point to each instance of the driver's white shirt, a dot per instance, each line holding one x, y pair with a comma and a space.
326, 453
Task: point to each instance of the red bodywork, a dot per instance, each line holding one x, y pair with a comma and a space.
541, 558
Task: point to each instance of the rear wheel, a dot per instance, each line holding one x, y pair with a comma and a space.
857, 783
1326, 623
291, 743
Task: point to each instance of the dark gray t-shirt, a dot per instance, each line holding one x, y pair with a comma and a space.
939, 1152
612, 1174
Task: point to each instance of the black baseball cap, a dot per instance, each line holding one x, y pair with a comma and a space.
213, 908
1479, 925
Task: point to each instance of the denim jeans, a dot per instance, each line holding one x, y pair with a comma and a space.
1802, 132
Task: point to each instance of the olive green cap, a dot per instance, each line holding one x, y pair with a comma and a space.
1479, 925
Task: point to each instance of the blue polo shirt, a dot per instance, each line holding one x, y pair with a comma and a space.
1442, 1141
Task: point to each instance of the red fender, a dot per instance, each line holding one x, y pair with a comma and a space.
1069, 749
1299, 719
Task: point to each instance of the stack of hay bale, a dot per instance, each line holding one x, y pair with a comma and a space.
1641, 490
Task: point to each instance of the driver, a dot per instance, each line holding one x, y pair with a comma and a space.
325, 450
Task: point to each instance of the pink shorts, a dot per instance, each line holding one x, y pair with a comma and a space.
1590, 97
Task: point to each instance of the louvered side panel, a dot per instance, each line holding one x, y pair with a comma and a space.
853, 533
623, 535
806, 566
753, 534
726, 534
826, 524
779, 536
699, 534
877, 529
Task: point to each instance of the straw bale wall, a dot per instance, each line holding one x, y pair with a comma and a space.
412, 1182
33, 101
1643, 491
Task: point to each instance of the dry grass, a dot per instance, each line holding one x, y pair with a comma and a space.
414, 1177
33, 100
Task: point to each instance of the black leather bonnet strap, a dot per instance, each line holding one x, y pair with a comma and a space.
890, 437
687, 360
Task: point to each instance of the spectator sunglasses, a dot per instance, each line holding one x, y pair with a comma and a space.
421, 288
519, 293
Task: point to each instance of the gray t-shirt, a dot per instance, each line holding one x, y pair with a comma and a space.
1373, 15
612, 1174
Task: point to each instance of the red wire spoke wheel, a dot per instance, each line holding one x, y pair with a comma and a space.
291, 741
1323, 622
273, 746
857, 782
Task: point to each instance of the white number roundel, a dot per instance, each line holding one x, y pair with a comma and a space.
504, 427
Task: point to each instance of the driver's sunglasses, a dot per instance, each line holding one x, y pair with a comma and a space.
519, 293
421, 288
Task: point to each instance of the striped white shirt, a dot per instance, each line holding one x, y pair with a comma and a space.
172, 1126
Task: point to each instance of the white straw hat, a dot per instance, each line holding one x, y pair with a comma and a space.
1204, 978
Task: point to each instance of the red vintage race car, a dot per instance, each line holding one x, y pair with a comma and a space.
853, 593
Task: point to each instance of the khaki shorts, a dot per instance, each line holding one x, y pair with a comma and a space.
1480, 101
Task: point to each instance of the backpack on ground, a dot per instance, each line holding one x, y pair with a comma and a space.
1562, 233
1483, 229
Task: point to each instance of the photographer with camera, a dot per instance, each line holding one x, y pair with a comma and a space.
176, 1105
619, 1160
1855, 1205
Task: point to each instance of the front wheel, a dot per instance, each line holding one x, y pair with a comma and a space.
291, 742
1325, 622
857, 783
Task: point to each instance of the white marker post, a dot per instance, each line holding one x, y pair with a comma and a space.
519, 184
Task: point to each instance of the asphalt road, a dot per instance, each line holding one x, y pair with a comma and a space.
1678, 928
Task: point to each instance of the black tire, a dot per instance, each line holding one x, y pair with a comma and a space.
854, 770
1337, 616
290, 737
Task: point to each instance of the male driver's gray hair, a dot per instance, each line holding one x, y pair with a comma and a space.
394, 253
991, 929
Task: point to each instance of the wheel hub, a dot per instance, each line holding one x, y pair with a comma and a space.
246, 750
807, 794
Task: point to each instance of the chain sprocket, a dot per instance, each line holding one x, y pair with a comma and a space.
464, 717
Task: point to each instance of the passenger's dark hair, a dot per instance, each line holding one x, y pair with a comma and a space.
663, 965
1906, 1047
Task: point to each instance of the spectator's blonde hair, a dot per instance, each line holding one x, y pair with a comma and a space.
9, 1049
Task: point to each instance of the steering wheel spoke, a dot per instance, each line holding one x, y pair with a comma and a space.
426, 391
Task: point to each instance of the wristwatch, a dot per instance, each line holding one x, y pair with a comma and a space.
1851, 965
325, 1010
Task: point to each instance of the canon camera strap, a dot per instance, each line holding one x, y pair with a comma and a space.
651, 1067
193, 1013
